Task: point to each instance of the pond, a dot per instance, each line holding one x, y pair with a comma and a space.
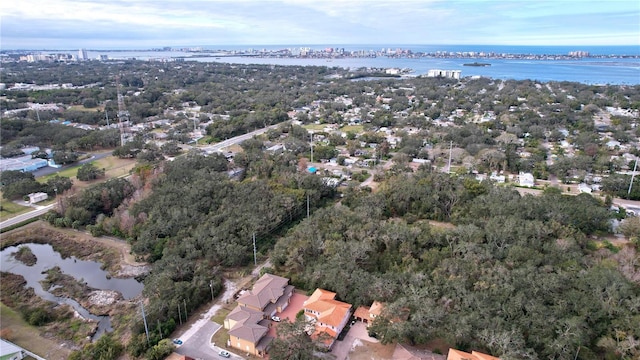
89, 272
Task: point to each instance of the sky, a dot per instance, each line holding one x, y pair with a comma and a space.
144, 24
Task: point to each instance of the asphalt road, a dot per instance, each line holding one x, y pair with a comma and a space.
198, 345
26, 216
236, 140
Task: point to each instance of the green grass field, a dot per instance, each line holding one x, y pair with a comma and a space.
82, 108
316, 127
28, 337
353, 128
10, 209
69, 172
113, 166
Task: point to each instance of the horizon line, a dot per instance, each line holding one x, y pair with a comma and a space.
156, 47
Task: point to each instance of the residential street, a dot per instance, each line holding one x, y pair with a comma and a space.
197, 338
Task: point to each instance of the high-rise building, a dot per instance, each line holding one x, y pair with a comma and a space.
82, 55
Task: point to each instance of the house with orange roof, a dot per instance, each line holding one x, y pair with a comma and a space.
328, 315
475, 355
367, 314
249, 322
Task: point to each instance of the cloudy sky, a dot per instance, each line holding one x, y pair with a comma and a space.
125, 24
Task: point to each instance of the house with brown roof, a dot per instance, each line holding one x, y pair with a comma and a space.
367, 314
328, 315
475, 355
249, 322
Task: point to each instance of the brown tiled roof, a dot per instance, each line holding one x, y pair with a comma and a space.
252, 332
269, 288
247, 324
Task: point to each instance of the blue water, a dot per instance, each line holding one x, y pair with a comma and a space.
508, 49
586, 70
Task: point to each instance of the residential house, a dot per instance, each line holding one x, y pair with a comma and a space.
249, 322
367, 314
475, 355
526, 179
328, 315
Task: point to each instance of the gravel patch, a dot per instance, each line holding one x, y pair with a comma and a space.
132, 271
103, 297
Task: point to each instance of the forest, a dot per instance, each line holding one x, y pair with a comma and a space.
191, 221
516, 276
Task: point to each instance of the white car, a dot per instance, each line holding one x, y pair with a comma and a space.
275, 318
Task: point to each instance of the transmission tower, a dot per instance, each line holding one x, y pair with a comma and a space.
123, 114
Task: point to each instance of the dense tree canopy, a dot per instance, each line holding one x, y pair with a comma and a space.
514, 277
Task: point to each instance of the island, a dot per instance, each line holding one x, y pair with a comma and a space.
476, 64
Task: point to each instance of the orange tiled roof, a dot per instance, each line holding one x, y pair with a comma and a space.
332, 312
362, 312
482, 356
475, 355
376, 308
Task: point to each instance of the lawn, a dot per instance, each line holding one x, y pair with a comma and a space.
356, 129
222, 335
82, 108
114, 167
25, 335
68, 172
316, 127
222, 313
10, 209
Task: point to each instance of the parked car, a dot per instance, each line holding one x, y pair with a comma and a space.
177, 341
275, 318
224, 354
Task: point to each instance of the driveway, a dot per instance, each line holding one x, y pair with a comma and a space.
295, 305
341, 349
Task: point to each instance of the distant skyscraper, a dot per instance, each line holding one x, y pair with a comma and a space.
82, 55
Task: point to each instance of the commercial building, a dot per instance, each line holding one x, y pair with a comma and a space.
452, 74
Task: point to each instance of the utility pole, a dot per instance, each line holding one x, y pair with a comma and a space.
255, 258
144, 317
312, 147
123, 114
633, 175
211, 287
449, 166
179, 315
185, 310
307, 206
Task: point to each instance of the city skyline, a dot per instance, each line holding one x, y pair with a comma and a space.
121, 24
